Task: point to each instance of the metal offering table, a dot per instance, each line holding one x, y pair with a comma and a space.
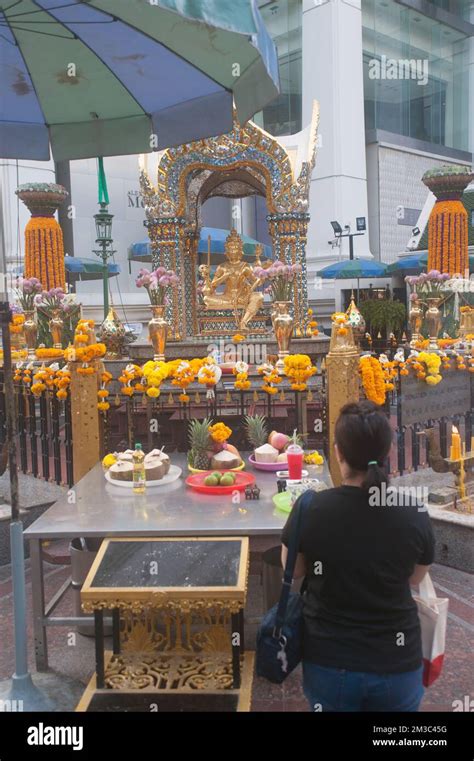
95, 509
177, 610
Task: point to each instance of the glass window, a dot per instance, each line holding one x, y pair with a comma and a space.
416, 80
283, 19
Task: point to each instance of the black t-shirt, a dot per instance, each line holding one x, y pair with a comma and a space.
359, 613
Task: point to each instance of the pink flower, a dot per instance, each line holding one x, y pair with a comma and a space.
413, 296
434, 274
159, 272
164, 280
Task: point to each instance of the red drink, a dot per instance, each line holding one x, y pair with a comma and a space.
294, 455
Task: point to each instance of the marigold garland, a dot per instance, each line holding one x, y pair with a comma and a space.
373, 380
298, 368
44, 252
219, 432
448, 237
271, 378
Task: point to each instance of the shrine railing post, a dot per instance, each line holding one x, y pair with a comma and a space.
342, 367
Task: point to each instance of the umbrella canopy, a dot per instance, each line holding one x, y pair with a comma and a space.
88, 269
116, 77
141, 252
407, 265
415, 263
353, 268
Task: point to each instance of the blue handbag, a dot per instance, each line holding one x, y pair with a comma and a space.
280, 636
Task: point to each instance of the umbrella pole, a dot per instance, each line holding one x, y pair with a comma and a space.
22, 687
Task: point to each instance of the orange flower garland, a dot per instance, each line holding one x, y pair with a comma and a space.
298, 368
448, 238
271, 378
373, 379
44, 252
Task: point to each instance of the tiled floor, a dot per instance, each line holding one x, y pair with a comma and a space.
73, 656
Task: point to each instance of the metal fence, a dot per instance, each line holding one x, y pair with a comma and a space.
411, 446
44, 433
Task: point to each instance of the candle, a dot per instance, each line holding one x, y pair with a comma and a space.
455, 444
472, 444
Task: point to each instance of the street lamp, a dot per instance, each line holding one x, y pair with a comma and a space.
103, 226
361, 227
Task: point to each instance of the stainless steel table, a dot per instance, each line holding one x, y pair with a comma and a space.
96, 508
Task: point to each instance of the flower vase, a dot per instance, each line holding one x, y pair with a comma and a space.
416, 319
56, 327
158, 332
282, 322
30, 328
17, 338
433, 320
466, 323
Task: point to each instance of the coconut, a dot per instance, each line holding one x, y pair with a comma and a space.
121, 471
154, 469
282, 457
266, 453
152, 454
126, 456
157, 457
225, 460
166, 462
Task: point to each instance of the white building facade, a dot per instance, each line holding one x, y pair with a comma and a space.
395, 84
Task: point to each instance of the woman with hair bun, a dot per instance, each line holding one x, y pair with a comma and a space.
359, 553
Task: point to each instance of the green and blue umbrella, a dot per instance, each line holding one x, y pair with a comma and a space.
116, 77
353, 268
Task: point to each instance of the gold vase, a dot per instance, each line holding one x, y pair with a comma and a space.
433, 320
56, 327
31, 333
466, 323
158, 332
416, 319
282, 322
17, 339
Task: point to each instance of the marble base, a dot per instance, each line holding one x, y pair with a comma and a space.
200, 347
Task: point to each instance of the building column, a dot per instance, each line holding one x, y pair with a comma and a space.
333, 75
471, 84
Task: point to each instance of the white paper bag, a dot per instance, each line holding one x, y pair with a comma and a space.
433, 615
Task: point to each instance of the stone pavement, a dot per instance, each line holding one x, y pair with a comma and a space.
73, 657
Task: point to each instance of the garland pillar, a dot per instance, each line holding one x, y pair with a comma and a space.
167, 244
342, 367
44, 245
288, 232
85, 420
448, 223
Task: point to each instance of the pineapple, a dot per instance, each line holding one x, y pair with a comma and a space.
199, 442
256, 429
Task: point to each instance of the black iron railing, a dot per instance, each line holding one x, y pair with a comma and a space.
411, 445
44, 433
